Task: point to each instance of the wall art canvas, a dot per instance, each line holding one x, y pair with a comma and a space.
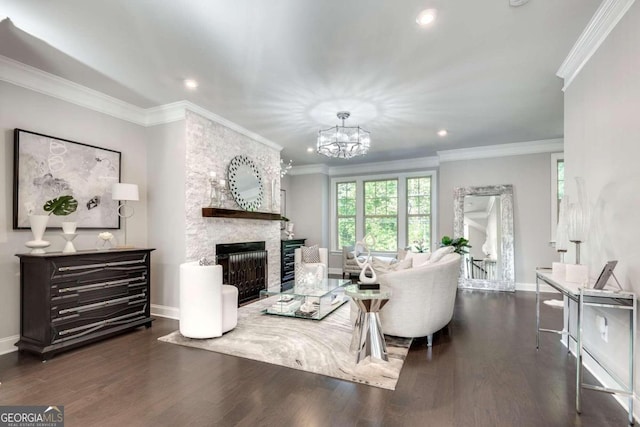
46, 167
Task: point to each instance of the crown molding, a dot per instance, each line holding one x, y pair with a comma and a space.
34, 79
422, 163
166, 113
309, 169
601, 24
419, 163
503, 150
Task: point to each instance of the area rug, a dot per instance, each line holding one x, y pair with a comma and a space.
321, 347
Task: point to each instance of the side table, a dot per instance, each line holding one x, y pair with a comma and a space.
368, 339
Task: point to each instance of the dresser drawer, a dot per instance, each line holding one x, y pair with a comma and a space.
91, 317
97, 266
77, 303
88, 288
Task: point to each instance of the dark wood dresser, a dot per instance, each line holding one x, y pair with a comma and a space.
287, 264
71, 299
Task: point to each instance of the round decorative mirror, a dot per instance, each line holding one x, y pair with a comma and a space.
245, 183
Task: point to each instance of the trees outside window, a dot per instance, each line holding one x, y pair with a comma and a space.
381, 213
397, 209
346, 204
419, 211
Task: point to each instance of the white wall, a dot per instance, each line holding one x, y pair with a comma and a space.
530, 176
166, 175
22, 108
602, 135
308, 208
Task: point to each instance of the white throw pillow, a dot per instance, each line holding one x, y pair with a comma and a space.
383, 267
437, 255
419, 258
311, 254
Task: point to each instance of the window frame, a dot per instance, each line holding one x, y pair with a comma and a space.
396, 216
555, 157
402, 206
407, 215
335, 201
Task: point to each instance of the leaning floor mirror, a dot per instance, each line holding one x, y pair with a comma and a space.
484, 216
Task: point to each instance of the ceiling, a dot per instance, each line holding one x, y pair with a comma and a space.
484, 71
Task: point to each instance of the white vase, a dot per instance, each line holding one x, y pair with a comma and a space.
38, 225
69, 227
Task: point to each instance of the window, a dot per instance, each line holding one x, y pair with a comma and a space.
346, 203
381, 213
419, 211
560, 185
397, 209
557, 190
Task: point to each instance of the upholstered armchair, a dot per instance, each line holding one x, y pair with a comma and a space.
422, 298
207, 307
312, 267
349, 263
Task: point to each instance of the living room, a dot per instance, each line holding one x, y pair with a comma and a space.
171, 139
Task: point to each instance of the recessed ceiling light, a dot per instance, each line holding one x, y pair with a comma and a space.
426, 17
442, 132
309, 149
190, 83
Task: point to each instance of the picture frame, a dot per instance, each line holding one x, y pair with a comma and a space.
605, 275
46, 167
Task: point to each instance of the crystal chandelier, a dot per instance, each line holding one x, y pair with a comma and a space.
343, 142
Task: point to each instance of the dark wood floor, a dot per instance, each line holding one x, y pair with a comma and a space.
486, 372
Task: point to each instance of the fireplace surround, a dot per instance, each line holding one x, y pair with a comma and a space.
244, 265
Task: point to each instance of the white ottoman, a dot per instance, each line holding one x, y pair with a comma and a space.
207, 307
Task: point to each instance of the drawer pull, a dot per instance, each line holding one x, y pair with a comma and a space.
97, 305
102, 265
97, 325
101, 285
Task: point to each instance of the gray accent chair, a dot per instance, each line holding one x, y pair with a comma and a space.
349, 264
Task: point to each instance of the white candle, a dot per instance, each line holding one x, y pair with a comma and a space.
212, 175
222, 183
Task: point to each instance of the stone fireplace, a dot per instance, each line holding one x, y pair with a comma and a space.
210, 146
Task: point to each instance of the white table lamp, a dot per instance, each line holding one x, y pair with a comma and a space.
125, 192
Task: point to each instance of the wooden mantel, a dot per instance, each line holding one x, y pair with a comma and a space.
232, 213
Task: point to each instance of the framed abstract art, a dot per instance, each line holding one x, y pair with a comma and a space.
46, 167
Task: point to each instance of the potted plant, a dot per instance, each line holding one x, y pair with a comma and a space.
63, 206
460, 244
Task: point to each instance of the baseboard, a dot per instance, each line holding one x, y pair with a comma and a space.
7, 345
165, 311
602, 377
531, 287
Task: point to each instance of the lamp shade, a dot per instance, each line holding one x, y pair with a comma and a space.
121, 191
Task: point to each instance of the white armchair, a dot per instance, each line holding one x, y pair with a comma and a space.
422, 298
324, 261
207, 307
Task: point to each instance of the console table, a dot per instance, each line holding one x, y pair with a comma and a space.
588, 297
71, 299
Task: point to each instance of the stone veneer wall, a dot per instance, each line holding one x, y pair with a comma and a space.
210, 146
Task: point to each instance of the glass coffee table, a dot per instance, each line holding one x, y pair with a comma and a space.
306, 301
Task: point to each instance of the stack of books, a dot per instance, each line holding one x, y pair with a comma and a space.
285, 304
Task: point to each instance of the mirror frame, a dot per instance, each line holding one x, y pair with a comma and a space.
506, 280
232, 172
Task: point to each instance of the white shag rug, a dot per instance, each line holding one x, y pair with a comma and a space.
321, 347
